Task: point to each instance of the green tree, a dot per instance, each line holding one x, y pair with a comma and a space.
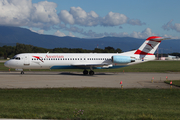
118, 50
1, 54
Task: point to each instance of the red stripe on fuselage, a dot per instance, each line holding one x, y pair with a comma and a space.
38, 58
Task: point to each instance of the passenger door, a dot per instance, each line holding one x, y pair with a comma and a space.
26, 60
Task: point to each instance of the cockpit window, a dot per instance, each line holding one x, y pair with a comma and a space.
16, 58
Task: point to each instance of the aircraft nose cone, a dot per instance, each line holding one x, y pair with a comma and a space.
6, 64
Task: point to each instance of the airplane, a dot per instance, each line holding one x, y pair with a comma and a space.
86, 60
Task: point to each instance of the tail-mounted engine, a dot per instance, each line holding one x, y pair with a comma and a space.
122, 59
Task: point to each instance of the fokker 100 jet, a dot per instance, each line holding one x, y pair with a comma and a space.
85, 60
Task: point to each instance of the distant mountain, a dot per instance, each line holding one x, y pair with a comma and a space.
12, 35
8, 44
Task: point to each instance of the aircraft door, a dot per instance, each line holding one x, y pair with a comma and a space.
26, 60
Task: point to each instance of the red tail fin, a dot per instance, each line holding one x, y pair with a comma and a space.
149, 46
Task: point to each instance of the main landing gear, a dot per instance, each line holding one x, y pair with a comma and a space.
22, 72
91, 72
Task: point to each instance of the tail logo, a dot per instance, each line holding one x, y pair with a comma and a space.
150, 45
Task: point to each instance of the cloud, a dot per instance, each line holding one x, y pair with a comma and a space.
170, 36
70, 34
78, 16
135, 22
59, 34
24, 13
144, 34
78, 12
14, 12
91, 34
170, 26
44, 15
41, 31
44, 12
66, 17
114, 19
32, 30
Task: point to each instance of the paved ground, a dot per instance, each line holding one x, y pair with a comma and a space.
3, 61
64, 79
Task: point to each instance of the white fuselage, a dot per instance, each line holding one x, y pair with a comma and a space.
86, 60
72, 60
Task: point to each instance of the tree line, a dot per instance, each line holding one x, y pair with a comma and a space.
10, 51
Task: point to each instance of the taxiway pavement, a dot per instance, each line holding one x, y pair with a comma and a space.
77, 80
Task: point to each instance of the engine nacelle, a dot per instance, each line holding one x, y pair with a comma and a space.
122, 59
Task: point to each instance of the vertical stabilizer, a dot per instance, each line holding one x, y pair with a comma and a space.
150, 45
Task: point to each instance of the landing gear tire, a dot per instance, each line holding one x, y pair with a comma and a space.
85, 72
22, 72
91, 72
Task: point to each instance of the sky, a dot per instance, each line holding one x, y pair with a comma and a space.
94, 18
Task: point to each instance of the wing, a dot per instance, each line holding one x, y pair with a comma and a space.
90, 65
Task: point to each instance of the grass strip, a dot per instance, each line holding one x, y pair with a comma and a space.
174, 82
90, 103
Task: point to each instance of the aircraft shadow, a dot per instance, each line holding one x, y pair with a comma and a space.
54, 73
80, 74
